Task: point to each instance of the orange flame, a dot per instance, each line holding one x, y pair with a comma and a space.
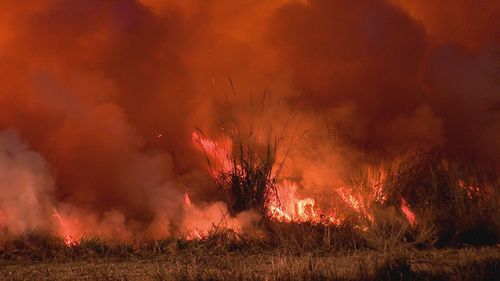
362, 201
70, 238
410, 216
218, 152
193, 233
187, 200
287, 207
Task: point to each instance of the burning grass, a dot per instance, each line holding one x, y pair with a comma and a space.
424, 199
386, 223
244, 170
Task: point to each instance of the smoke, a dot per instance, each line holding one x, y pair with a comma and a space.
108, 92
25, 185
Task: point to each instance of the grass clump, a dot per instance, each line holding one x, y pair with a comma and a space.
245, 169
252, 178
455, 203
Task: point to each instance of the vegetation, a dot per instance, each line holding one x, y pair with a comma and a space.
252, 178
456, 207
223, 256
456, 203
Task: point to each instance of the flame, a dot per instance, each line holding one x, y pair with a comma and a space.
354, 202
187, 201
285, 206
194, 234
361, 201
193, 231
218, 152
410, 216
70, 238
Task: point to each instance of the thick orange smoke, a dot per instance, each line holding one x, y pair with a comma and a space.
98, 99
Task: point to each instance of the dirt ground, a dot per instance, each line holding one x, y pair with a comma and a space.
464, 264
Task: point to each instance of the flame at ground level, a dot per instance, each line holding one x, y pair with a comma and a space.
285, 206
289, 202
70, 236
410, 216
284, 203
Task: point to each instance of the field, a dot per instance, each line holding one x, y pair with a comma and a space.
202, 264
450, 232
249, 140
222, 257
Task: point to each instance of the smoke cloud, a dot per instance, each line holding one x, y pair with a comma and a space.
25, 185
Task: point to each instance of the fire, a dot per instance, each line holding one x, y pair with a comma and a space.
192, 233
193, 229
71, 239
470, 189
361, 201
219, 152
355, 202
410, 216
284, 206
187, 201
287, 207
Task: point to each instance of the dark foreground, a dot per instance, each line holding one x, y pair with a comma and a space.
200, 264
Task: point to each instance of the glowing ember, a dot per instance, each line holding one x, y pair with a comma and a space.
410, 216
471, 190
70, 239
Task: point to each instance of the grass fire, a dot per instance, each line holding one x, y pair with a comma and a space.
249, 140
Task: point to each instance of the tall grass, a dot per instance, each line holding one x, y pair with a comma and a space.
455, 199
253, 176
255, 165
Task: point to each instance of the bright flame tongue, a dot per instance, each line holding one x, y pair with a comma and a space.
192, 233
70, 239
219, 152
410, 216
286, 207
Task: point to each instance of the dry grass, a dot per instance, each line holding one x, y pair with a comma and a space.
200, 263
451, 211
456, 204
284, 251
250, 182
